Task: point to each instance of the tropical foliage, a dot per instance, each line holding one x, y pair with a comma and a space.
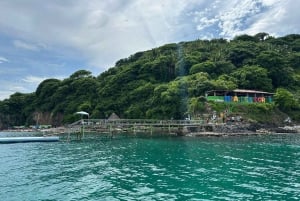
168, 82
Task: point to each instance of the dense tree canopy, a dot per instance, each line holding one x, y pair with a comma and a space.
166, 82
253, 77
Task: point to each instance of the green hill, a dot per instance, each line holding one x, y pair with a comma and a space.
169, 82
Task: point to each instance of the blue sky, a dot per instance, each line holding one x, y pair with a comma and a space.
55, 38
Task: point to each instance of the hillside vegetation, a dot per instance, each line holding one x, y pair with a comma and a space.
169, 82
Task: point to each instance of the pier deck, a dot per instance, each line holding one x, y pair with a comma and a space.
173, 127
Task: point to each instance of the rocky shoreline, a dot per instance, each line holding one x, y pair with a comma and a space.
243, 129
224, 129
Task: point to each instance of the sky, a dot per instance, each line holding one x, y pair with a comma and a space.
55, 38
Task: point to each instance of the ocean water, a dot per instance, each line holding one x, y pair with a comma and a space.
153, 168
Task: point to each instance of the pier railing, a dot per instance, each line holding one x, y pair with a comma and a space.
134, 126
139, 122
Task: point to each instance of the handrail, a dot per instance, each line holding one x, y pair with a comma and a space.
136, 122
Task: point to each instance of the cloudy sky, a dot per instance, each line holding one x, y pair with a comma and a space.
55, 38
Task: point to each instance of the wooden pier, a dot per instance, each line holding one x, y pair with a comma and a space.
138, 126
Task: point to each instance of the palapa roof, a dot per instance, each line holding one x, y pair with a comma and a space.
113, 116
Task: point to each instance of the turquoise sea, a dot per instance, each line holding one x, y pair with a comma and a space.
153, 168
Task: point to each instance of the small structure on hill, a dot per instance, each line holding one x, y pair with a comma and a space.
240, 96
113, 116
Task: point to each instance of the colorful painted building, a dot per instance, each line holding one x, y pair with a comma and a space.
240, 96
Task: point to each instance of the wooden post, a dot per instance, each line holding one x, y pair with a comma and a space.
68, 139
134, 129
83, 130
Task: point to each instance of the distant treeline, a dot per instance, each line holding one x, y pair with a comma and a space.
167, 82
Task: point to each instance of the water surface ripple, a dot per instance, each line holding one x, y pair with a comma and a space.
160, 168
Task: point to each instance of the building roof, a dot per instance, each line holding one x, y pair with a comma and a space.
113, 116
242, 91
250, 91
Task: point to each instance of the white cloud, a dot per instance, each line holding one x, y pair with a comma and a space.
280, 19
233, 17
228, 18
4, 94
27, 84
33, 79
11, 88
17, 88
102, 31
270, 2
3, 59
232, 21
24, 45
